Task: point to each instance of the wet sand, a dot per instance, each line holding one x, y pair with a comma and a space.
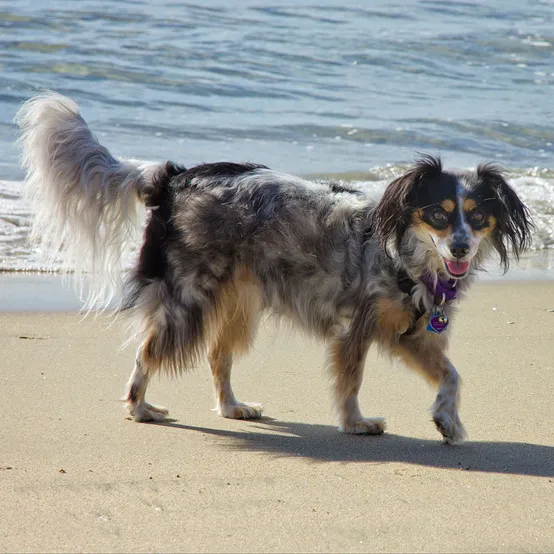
77, 475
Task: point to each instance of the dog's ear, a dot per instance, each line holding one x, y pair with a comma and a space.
393, 214
513, 220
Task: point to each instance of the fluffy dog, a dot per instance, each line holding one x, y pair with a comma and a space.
225, 242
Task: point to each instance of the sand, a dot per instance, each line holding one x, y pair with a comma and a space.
77, 475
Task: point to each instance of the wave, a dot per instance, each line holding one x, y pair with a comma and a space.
535, 186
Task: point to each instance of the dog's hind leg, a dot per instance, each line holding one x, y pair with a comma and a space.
429, 359
234, 324
227, 405
346, 361
136, 390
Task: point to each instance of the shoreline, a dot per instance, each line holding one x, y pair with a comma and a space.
22, 291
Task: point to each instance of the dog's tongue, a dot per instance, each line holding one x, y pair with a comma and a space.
456, 267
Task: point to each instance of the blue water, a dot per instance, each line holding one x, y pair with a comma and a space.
310, 87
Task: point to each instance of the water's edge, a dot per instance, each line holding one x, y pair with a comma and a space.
51, 292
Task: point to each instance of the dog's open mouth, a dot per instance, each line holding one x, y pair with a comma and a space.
457, 268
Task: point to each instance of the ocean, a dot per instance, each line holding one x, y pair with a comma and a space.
345, 89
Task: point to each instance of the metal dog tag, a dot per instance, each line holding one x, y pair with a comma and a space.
438, 322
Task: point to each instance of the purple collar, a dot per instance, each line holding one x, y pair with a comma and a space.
442, 287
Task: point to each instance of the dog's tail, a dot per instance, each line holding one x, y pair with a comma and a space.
85, 203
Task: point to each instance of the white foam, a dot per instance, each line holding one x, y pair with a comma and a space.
534, 185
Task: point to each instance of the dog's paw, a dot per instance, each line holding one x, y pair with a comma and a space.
450, 428
365, 426
240, 410
147, 412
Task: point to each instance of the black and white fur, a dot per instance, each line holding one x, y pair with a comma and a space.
225, 242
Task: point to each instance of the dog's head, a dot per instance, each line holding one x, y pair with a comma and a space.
447, 220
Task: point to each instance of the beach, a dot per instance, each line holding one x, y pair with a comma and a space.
343, 90
76, 474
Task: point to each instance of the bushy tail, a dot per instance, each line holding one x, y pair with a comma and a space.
85, 203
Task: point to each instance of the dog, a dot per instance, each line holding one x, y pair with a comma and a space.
225, 242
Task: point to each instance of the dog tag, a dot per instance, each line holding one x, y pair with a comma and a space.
438, 322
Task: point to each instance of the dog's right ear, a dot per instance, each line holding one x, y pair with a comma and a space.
393, 214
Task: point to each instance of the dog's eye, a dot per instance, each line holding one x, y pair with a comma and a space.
439, 217
477, 217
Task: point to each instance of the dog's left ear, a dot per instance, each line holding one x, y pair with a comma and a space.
393, 214
513, 220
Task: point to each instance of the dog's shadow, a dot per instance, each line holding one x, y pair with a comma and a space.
325, 443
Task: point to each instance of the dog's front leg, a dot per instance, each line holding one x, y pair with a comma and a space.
445, 408
430, 360
346, 360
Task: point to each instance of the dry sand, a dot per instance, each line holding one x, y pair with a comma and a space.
77, 475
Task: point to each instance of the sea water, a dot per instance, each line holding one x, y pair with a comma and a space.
345, 89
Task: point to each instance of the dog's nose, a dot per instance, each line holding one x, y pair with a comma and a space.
459, 250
